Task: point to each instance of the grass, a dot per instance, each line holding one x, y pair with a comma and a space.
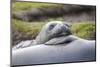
19, 6
30, 29
84, 29
24, 30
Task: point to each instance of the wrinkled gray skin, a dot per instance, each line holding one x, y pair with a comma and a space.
57, 49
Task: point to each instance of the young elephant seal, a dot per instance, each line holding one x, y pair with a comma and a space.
56, 45
50, 30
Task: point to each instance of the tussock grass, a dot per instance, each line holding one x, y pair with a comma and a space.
84, 29
19, 6
28, 31
36, 13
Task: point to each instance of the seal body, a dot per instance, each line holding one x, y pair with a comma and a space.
75, 51
54, 44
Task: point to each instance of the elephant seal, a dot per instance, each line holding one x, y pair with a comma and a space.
77, 50
60, 48
50, 30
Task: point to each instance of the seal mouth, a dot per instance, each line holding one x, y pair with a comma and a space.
65, 31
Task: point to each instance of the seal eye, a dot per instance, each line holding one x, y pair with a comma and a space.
51, 26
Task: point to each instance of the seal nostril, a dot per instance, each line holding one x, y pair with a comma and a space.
65, 30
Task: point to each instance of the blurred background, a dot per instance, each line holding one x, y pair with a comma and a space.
29, 17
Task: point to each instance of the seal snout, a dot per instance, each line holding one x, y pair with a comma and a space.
65, 30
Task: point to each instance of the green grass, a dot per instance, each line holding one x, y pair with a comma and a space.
84, 30
19, 6
29, 29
